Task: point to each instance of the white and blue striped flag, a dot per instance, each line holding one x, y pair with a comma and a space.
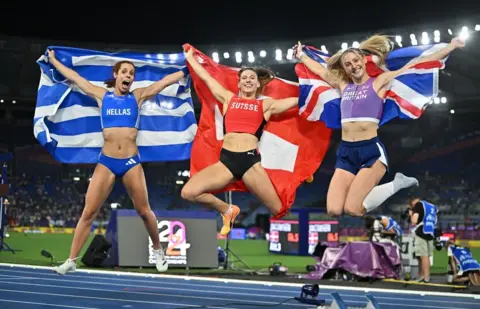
67, 122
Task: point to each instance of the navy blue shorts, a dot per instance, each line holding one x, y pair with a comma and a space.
353, 156
118, 166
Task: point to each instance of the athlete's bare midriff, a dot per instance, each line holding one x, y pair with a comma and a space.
240, 142
120, 143
359, 131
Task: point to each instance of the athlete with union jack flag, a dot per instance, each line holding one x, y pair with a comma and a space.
358, 90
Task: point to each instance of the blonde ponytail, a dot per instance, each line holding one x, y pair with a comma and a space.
378, 45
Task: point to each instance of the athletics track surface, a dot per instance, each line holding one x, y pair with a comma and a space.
29, 287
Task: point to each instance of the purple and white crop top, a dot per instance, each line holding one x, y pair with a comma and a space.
361, 103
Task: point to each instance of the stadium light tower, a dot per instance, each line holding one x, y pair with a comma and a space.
215, 57
464, 33
251, 57
425, 39
413, 39
278, 54
290, 54
398, 39
436, 36
238, 57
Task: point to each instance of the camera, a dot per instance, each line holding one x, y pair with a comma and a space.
405, 215
374, 227
438, 243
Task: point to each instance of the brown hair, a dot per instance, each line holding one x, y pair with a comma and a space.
264, 77
411, 200
111, 82
378, 45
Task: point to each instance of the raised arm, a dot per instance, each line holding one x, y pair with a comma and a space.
90, 89
279, 106
385, 78
146, 93
221, 94
316, 67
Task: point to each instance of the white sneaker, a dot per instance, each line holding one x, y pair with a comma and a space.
162, 264
68, 266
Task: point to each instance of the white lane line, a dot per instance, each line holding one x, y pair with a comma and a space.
115, 299
43, 304
250, 282
160, 294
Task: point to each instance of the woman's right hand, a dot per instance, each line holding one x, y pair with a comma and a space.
188, 51
298, 50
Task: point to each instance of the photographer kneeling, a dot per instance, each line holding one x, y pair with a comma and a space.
465, 269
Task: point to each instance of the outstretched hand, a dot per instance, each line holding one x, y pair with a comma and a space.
51, 54
187, 50
297, 50
458, 42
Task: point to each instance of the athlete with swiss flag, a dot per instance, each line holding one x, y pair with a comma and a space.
249, 142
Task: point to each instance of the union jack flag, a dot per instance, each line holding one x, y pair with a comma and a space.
407, 97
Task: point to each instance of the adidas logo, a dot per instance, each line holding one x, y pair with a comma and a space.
130, 162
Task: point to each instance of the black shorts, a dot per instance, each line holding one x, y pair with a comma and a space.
239, 162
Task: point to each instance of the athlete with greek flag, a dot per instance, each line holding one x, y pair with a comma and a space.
119, 155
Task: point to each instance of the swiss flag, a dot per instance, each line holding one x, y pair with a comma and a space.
291, 147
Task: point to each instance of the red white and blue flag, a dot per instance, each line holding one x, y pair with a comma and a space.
407, 97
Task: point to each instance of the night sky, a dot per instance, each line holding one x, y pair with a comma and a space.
210, 22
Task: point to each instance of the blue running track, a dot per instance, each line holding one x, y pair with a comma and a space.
23, 287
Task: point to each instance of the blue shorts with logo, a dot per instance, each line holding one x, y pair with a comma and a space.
353, 156
119, 167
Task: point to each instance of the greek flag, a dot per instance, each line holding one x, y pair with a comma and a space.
67, 121
408, 95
